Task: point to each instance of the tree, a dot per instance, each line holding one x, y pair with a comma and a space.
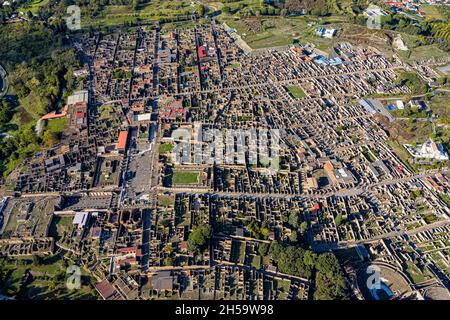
135, 4
294, 236
5, 112
291, 262
198, 238
201, 10
226, 9
50, 139
275, 250
293, 219
330, 288
309, 258
330, 281
263, 248
37, 260
303, 227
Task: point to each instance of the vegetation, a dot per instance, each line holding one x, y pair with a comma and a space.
185, 177
413, 82
40, 66
53, 131
296, 92
121, 74
6, 112
165, 148
257, 229
41, 278
199, 238
330, 281
445, 198
292, 260
329, 278
166, 200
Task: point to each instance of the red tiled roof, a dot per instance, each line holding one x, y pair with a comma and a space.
202, 52
122, 143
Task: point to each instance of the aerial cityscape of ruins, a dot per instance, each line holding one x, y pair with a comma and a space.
188, 159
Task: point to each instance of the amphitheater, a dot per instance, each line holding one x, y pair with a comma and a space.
394, 283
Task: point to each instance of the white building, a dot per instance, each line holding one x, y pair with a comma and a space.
326, 32
428, 150
80, 219
374, 11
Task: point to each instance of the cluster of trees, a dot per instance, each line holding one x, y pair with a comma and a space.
428, 32
257, 229
6, 112
312, 7
199, 238
330, 283
292, 259
413, 82
296, 222
17, 147
293, 7
7, 10
40, 65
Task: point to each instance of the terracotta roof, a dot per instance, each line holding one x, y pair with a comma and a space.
123, 136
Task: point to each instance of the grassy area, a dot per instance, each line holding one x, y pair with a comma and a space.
59, 225
56, 125
274, 31
369, 156
296, 92
445, 198
238, 252
426, 52
166, 200
412, 81
121, 74
432, 12
415, 274
35, 5
48, 279
185, 177
256, 261
440, 106
165, 148
154, 10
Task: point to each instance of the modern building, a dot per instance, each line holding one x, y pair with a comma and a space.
428, 150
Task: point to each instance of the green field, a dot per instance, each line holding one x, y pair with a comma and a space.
416, 274
185, 177
165, 148
296, 92
56, 125
432, 12
59, 225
